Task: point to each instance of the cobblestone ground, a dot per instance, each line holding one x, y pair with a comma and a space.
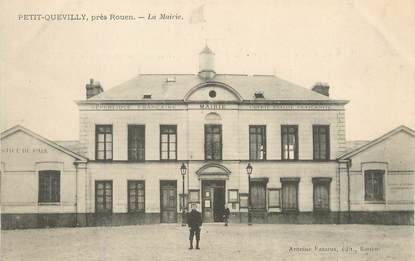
235, 242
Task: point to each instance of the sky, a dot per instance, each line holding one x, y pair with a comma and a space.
365, 51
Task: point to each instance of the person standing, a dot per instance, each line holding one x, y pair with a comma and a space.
226, 215
194, 221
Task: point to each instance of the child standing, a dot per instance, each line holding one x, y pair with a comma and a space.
226, 214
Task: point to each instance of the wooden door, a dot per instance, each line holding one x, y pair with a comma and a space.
321, 196
168, 201
290, 196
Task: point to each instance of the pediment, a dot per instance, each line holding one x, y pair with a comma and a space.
213, 169
213, 91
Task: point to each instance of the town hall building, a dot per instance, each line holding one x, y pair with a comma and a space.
269, 150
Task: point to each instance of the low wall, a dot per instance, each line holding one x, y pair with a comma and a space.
24, 221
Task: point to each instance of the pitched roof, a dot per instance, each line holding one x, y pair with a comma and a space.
368, 145
17, 128
354, 144
160, 89
72, 145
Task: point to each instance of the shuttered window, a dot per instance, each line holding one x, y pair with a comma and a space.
321, 194
289, 142
136, 142
289, 194
103, 142
49, 186
136, 196
257, 142
374, 185
213, 142
168, 143
103, 196
258, 195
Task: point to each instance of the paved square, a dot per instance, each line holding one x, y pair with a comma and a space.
235, 242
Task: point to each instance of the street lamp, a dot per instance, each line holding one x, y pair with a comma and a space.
249, 172
183, 171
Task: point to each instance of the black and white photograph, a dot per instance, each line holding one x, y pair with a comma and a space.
207, 130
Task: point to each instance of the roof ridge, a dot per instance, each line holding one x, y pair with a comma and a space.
377, 140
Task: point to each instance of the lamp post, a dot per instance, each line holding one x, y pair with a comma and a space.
183, 171
249, 172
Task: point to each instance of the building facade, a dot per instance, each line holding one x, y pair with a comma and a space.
159, 142
137, 135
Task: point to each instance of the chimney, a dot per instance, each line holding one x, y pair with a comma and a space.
93, 88
206, 64
322, 88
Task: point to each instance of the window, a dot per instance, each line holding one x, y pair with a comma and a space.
321, 194
290, 194
213, 142
136, 196
136, 142
103, 142
289, 142
103, 196
259, 95
212, 94
49, 186
321, 142
233, 196
257, 142
168, 142
194, 196
274, 198
374, 185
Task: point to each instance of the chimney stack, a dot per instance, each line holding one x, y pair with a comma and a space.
206, 64
93, 88
322, 88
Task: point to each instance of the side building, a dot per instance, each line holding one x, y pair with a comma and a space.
377, 179
42, 183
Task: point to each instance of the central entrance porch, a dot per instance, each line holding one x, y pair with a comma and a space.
213, 200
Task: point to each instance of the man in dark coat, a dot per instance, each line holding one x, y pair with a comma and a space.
194, 221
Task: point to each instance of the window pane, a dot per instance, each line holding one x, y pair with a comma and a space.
172, 155
164, 146
101, 137
164, 138
172, 146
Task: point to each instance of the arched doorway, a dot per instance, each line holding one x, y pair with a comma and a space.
213, 178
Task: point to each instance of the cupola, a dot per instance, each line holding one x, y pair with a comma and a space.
207, 64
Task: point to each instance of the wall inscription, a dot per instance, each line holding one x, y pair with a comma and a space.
24, 150
213, 106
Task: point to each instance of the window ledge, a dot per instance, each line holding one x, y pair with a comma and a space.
49, 203
375, 201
